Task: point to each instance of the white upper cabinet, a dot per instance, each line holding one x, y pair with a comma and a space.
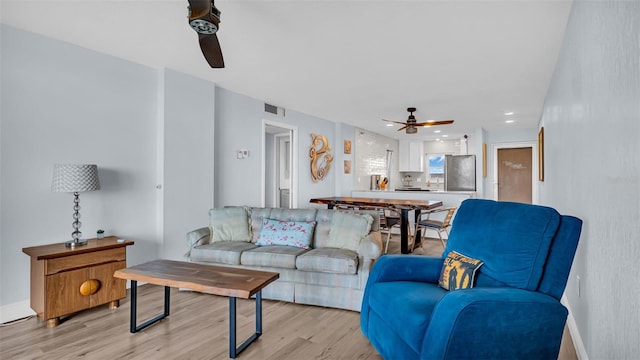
410, 154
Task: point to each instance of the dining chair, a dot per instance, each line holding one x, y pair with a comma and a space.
426, 221
392, 219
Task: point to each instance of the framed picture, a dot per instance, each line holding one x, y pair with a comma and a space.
484, 160
347, 166
347, 146
541, 154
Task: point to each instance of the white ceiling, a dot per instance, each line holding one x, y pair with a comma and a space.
355, 62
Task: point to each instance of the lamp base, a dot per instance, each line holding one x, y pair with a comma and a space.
74, 243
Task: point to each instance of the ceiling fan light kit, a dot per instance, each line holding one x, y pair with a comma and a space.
204, 18
410, 126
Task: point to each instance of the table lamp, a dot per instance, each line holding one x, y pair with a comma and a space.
75, 179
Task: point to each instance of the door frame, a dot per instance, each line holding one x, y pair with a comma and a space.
534, 166
293, 158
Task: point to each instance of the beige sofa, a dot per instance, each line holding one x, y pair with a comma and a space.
333, 272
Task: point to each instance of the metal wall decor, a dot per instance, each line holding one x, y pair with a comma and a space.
321, 157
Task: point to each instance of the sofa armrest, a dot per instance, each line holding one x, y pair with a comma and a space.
371, 246
469, 323
197, 237
406, 268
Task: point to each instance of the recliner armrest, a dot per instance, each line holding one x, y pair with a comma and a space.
406, 268
469, 323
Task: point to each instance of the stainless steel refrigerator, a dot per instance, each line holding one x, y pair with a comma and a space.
460, 173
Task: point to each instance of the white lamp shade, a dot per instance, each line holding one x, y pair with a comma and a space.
75, 178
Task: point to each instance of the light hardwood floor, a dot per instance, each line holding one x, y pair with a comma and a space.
198, 329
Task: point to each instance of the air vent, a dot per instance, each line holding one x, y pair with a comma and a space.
272, 109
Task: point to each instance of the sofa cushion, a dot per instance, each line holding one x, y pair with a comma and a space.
458, 272
289, 233
293, 214
347, 229
512, 239
257, 215
274, 256
224, 252
229, 224
329, 260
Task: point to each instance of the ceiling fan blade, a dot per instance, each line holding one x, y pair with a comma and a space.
204, 18
211, 50
393, 121
434, 122
404, 127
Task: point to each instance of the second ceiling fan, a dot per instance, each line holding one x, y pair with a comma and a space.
411, 125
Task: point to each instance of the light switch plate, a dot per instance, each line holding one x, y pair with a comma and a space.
242, 153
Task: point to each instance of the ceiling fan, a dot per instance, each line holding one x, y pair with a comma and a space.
411, 125
204, 18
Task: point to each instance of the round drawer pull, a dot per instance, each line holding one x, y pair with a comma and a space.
89, 287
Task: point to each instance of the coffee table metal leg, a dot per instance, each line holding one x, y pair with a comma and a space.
133, 328
233, 351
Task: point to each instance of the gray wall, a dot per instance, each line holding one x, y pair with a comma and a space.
186, 158
239, 126
137, 123
64, 104
591, 124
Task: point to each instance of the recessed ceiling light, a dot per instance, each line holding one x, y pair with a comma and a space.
510, 121
437, 139
445, 135
437, 131
389, 124
509, 113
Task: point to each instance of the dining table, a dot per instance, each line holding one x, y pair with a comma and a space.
402, 205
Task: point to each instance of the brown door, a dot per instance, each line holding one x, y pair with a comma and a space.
514, 174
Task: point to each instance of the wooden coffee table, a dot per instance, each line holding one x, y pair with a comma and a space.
209, 279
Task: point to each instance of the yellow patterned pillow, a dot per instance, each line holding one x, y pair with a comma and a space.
458, 271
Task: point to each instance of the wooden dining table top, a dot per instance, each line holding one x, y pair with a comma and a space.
374, 202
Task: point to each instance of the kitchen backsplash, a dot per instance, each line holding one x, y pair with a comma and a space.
370, 151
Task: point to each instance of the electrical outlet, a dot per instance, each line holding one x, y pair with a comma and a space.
578, 285
242, 153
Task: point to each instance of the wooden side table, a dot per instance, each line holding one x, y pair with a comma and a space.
65, 280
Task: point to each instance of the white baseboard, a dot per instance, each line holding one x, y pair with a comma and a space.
581, 352
15, 311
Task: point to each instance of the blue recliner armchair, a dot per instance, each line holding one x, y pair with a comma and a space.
514, 310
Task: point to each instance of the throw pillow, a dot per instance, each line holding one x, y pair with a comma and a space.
289, 233
229, 224
458, 271
347, 229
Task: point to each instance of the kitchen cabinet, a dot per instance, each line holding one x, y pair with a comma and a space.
411, 156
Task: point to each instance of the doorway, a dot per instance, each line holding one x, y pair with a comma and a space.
279, 165
515, 173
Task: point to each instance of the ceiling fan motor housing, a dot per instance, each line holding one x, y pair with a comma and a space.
203, 27
207, 24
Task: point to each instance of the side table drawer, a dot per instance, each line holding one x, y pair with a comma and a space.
54, 266
63, 289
